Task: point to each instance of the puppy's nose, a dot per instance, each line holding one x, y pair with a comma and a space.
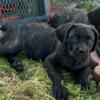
82, 50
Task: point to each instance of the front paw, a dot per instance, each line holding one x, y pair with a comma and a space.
60, 92
85, 86
17, 66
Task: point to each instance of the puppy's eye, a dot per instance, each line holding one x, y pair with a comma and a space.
91, 40
88, 38
74, 38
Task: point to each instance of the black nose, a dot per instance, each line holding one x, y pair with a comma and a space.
81, 50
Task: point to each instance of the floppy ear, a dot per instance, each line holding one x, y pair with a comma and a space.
94, 17
96, 36
3, 28
62, 32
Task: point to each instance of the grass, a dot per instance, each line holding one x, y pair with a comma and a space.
34, 83
89, 6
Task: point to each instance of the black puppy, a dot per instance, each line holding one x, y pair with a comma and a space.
66, 15
69, 14
75, 43
33, 39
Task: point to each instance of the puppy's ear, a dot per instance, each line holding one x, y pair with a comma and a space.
62, 31
96, 36
94, 17
3, 28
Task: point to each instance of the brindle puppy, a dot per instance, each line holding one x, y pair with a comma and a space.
75, 43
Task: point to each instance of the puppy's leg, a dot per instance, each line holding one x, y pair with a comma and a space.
10, 49
82, 77
15, 63
59, 91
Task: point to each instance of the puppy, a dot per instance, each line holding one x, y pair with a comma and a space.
69, 14
75, 43
35, 40
66, 15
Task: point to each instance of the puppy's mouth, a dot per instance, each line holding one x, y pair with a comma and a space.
78, 55
81, 56
80, 59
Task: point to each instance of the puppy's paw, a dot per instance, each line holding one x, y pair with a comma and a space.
60, 92
17, 66
85, 86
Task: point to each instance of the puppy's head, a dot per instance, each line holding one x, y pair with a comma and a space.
94, 18
78, 39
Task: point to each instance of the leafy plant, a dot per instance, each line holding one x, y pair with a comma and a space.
90, 5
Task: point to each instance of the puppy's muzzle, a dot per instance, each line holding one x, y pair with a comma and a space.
82, 51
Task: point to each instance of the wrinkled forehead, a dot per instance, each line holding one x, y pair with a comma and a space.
82, 31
